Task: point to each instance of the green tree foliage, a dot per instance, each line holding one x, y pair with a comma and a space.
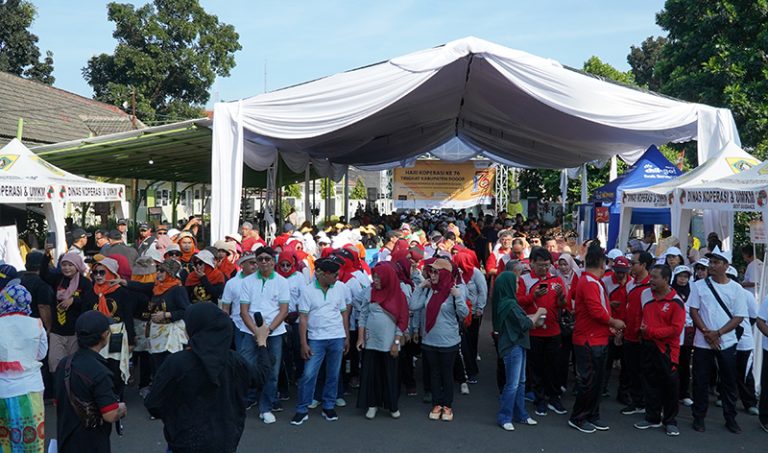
169, 52
292, 190
19, 53
643, 61
716, 54
595, 66
359, 192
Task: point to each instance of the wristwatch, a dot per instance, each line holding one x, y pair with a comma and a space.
397, 342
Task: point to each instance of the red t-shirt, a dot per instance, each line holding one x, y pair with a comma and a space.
527, 285
592, 312
633, 314
664, 319
617, 295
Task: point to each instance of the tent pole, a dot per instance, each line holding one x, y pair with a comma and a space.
307, 213
20, 128
174, 203
346, 194
614, 172
584, 197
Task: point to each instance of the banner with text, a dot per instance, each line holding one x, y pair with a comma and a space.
437, 185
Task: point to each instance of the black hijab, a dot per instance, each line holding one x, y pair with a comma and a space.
210, 335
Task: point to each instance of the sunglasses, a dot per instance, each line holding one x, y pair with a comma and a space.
162, 233
197, 263
162, 271
264, 259
100, 272
286, 265
173, 253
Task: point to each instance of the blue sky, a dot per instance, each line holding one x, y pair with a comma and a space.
302, 40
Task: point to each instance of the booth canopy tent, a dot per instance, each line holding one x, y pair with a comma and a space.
27, 178
519, 109
731, 160
652, 168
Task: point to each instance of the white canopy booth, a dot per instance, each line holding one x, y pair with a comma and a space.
515, 108
731, 160
26, 178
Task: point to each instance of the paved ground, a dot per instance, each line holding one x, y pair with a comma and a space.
473, 429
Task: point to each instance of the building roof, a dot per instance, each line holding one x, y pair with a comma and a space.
52, 115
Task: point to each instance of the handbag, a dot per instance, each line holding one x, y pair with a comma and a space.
86, 411
115, 343
739, 329
567, 321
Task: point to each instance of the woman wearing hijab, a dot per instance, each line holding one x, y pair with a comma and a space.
287, 268
69, 285
24, 344
226, 258
116, 303
199, 392
674, 258
681, 277
569, 272
205, 283
444, 307
477, 296
512, 325
383, 319
164, 311
188, 248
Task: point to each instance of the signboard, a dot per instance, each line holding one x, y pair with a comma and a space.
436, 185
601, 214
757, 232
646, 200
724, 199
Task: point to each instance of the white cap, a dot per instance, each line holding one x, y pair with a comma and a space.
236, 236
206, 257
673, 251
732, 271
111, 264
717, 253
614, 253
702, 262
173, 232
679, 270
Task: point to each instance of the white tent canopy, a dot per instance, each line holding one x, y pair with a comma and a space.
746, 191
519, 109
26, 178
730, 161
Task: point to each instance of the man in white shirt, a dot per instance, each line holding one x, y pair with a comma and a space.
716, 337
324, 332
754, 269
745, 381
268, 293
762, 325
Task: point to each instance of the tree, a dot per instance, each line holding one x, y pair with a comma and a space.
19, 53
643, 61
595, 66
327, 188
292, 190
717, 53
168, 55
359, 192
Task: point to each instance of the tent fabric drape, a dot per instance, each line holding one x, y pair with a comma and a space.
519, 109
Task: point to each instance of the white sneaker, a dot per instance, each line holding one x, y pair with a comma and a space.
371, 413
314, 404
341, 402
508, 427
267, 417
464, 388
395, 414
687, 402
529, 421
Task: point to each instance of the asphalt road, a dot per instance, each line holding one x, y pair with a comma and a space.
473, 429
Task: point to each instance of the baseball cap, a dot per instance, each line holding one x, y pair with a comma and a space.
621, 264
613, 254
115, 235
122, 221
79, 233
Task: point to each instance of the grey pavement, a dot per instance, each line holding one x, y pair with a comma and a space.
473, 429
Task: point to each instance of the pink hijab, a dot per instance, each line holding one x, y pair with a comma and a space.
76, 260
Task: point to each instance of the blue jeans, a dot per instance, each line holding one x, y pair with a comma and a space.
512, 399
331, 351
248, 351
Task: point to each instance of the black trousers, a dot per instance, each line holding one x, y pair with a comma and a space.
157, 360
407, 370
590, 367
564, 360
703, 365
441, 362
460, 373
684, 370
661, 385
745, 381
763, 407
616, 352
473, 338
379, 381
544, 352
633, 360
118, 385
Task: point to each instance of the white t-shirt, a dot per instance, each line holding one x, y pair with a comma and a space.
324, 311
266, 295
296, 284
747, 342
752, 274
232, 296
763, 314
712, 314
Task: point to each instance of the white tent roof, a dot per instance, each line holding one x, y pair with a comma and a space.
26, 178
745, 191
730, 161
513, 107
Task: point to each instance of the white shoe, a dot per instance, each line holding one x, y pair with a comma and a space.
508, 427
464, 388
395, 414
267, 417
371, 413
314, 404
687, 402
341, 402
529, 421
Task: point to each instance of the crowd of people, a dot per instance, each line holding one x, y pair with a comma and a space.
206, 333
